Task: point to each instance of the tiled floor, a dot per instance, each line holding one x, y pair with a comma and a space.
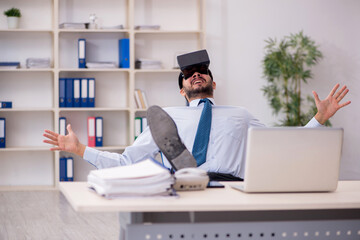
48, 215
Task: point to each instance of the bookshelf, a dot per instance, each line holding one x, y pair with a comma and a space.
26, 163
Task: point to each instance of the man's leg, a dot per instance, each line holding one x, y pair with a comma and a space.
164, 132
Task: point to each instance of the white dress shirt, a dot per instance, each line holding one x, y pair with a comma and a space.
227, 143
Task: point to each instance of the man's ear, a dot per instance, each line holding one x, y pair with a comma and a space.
214, 85
182, 92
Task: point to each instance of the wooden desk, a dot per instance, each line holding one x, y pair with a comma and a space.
230, 214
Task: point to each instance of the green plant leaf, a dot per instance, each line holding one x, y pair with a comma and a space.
12, 12
286, 64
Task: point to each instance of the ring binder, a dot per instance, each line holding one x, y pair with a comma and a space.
77, 91
84, 92
91, 86
62, 92
91, 132
62, 126
2, 132
99, 131
82, 52
69, 92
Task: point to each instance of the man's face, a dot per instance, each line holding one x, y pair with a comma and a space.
198, 85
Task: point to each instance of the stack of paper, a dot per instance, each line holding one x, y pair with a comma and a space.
147, 27
72, 25
38, 63
142, 63
146, 178
101, 65
113, 27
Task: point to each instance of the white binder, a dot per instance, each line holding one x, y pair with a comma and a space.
62, 126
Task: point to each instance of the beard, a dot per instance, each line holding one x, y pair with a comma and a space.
205, 90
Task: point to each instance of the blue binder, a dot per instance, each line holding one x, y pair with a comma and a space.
2, 132
69, 169
124, 53
99, 131
63, 170
69, 92
84, 92
77, 92
82, 52
91, 92
62, 92
10, 65
5, 104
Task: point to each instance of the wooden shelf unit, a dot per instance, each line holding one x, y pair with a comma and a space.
36, 107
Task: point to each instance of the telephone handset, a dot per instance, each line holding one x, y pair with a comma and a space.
190, 179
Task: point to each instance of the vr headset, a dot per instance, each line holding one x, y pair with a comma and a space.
193, 62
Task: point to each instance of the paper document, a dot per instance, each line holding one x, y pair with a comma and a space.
146, 178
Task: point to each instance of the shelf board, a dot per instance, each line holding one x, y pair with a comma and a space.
27, 30
93, 30
157, 70
168, 31
94, 70
25, 149
26, 109
140, 110
27, 70
27, 188
90, 109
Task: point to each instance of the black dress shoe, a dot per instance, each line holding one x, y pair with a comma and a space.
164, 132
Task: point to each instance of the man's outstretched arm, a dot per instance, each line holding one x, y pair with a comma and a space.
69, 143
331, 104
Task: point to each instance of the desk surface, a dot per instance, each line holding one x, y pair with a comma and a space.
347, 196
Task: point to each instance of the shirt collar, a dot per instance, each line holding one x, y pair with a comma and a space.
195, 103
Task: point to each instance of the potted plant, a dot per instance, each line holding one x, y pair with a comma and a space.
286, 66
13, 15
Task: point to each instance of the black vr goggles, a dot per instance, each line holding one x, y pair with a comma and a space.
193, 62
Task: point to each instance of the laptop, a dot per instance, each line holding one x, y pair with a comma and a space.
292, 159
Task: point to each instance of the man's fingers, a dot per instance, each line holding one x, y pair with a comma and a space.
339, 98
69, 128
51, 142
55, 149
51, 133
316, 96
50, 137
344, 104
334, 90
340, 92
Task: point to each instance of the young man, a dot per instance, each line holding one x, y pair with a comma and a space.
225, 154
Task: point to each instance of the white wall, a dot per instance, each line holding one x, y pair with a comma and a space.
236, 30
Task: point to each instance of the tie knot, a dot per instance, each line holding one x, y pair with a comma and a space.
204, 100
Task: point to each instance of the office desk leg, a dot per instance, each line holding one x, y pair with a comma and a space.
126, 219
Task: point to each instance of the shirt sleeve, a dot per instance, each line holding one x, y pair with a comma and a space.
254, 122
144, 147
313, 123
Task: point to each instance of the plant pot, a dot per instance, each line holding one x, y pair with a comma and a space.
13, 22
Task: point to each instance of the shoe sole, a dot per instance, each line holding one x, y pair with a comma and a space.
164, 132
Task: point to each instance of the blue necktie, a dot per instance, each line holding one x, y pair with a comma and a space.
203, 132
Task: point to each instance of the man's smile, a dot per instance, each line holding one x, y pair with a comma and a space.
197, 81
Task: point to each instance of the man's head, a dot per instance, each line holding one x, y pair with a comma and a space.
195, 79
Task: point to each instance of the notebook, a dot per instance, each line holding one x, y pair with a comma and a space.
292, 159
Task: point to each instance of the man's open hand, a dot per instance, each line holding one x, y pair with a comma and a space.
330, 105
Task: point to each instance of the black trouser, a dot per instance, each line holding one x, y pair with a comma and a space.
214, 176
